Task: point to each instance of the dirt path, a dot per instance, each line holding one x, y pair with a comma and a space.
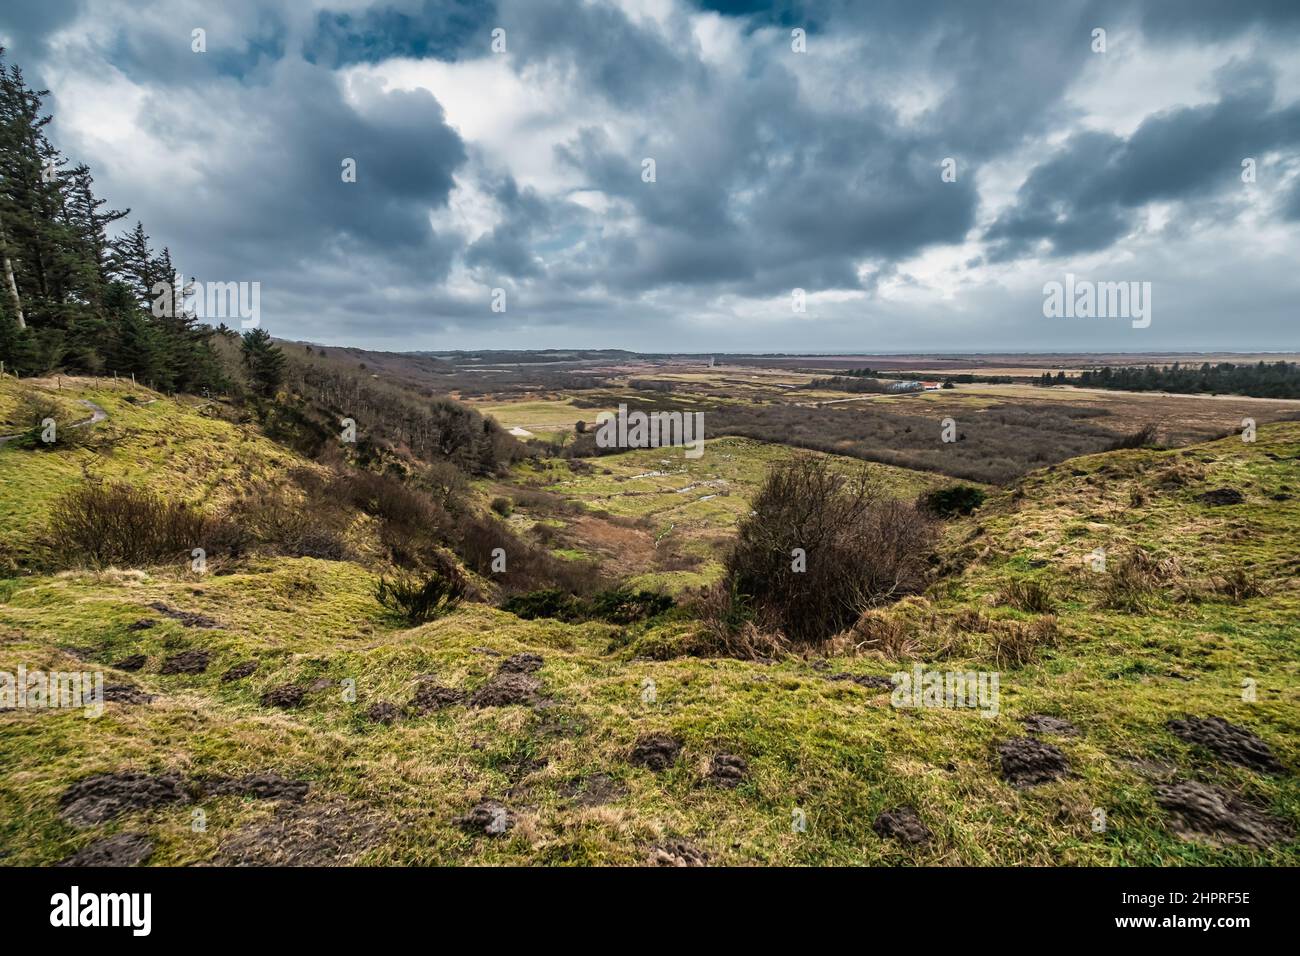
97, 415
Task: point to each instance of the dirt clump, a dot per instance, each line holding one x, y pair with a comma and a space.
303, 834
507, 688
489, 818
521, 664
676, 853
1228, 742
431, 695
1204, 813
239, 671
186, 618
657, 752
383, 712
260, 786
1221, 496
133, 663
869, 681
287, 696
94, 800
120, 849
728, 771
1047, 724
902, 824
1027, 762
126, 694
186, 662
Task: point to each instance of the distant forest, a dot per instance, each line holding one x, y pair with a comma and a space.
1261, 380
71, 298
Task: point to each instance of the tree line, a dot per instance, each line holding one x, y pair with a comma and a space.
71, 297
1258, 380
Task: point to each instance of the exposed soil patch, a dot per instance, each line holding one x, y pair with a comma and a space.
594, 790
676, 853
303, 834
142, 625
902, 824
93, 800
656, 751
1047, 724
187, 618
1228, 742
132, 663
1210, 814
431, 695
260, 786
728, 771
383, 712
1222, 496
239, 672
521, 664
1027, 761
126, 694
507, 688
187, 662
285, 695
120, 849
869, 681
488, 818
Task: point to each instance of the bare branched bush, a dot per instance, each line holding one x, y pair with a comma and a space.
118, 524
821, 547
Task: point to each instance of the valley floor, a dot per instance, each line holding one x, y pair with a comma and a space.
270, 712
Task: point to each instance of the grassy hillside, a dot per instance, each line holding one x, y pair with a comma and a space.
307, 725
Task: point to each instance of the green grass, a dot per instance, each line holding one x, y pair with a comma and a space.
834, 750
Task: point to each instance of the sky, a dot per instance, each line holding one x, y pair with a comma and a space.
690, 176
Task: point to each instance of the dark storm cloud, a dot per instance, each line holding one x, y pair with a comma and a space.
1083, 198
507, 251
28, 26
441, 29
774, 170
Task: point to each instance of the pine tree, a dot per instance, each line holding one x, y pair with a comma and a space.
264, 361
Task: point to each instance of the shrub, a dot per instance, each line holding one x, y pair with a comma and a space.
501, 506
117, 524
417, 601
952, 501
1028, 595
617, 605
547, 602
1130, 585
624, 606
281, 524
1237, 585
1144, 436
1015, 644
860, 549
